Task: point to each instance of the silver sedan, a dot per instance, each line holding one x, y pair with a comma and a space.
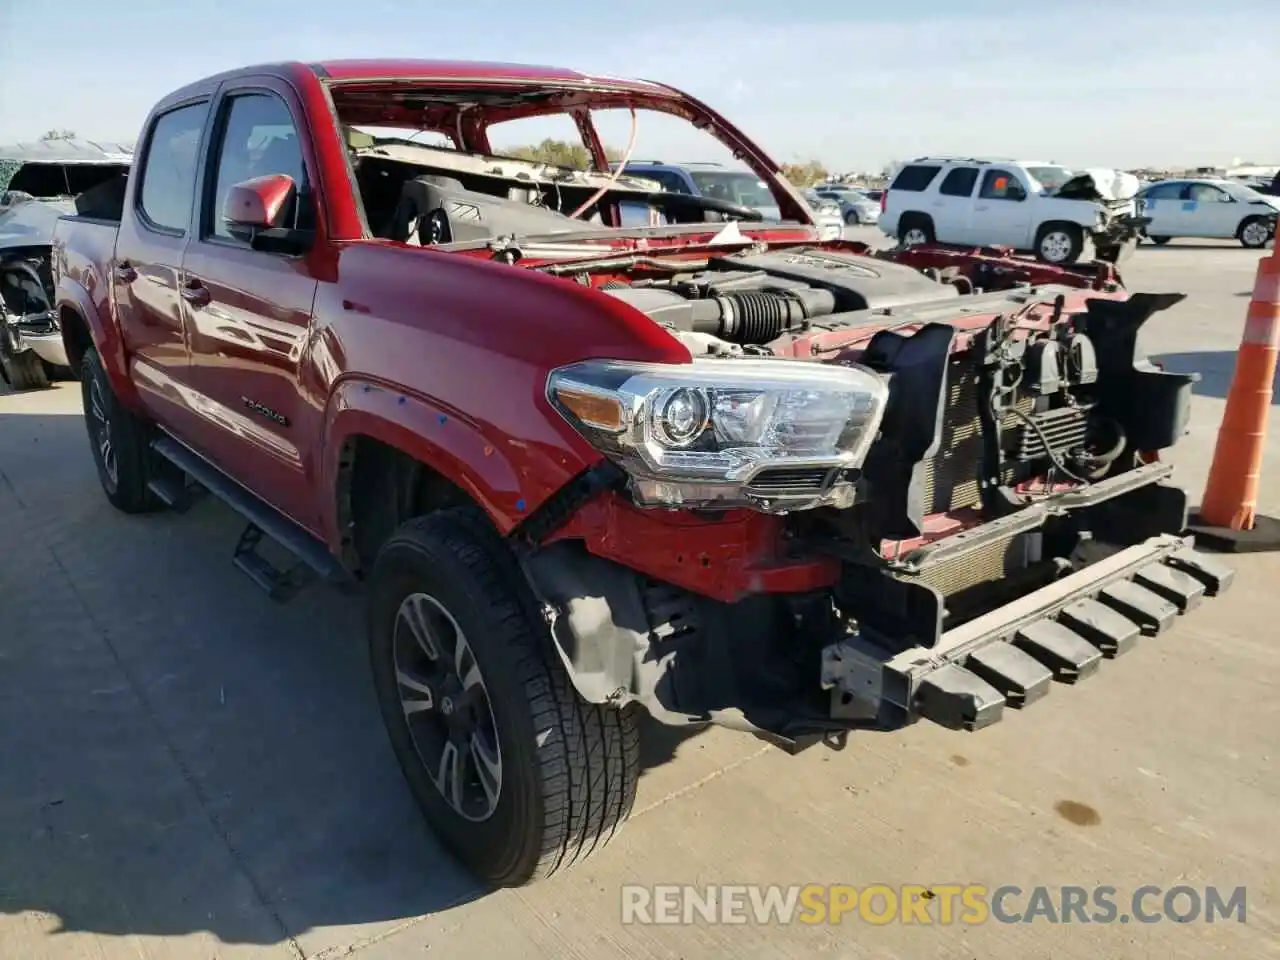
855, 206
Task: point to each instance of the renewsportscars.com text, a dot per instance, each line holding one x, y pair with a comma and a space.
943, 904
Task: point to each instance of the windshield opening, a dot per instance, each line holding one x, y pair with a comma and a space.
475, 165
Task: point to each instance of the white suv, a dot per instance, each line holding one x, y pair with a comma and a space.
1037, 207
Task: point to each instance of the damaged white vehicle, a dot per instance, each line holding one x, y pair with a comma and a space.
1036, 207
40, 182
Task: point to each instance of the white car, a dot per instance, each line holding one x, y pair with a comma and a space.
855, 206
1223, 209
1030, 206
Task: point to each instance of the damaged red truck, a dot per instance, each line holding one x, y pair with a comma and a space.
707, 467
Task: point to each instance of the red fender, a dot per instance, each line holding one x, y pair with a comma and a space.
507, 478
71, 295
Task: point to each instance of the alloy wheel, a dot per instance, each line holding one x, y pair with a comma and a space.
1056, 246
914, 237
446, 707
101, 430
1255, 234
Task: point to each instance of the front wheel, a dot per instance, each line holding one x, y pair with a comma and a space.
1060, 243
851, 218
1160, 241
516, 774
915, 231
1254, 233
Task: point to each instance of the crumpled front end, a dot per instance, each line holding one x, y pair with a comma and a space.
28, 320
941, 501
1119, 219
1120, 226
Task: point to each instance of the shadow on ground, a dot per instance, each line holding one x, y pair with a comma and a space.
1215, 367
177, 753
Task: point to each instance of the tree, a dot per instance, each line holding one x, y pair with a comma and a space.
559, 153
59, 135
805, 174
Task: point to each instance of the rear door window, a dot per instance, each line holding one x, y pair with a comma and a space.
959, 182
671, 182
169, 167
915, 177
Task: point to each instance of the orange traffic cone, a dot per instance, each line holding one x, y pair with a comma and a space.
1228, 518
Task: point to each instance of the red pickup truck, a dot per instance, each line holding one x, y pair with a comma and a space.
598, 448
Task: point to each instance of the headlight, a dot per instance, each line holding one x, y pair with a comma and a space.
776, 435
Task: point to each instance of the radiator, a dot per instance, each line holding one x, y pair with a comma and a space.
951, 475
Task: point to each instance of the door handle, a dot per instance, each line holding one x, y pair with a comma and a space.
982, 206
124, 272
195, 293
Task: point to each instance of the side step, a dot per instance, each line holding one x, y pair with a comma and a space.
263, 520
173, 488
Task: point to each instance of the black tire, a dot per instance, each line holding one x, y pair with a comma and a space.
1160, 241
1065, 239
24, 371
851, 218
567, 769
911, 222
1253, 233
56, 371
124, 463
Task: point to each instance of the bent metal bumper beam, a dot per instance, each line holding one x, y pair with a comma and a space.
1010, 656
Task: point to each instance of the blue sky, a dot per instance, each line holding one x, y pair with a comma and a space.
1122, 83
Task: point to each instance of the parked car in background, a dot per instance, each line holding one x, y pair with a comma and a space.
718, 182
1209, 208
38, 184
855, 206
1030, 206
826, 209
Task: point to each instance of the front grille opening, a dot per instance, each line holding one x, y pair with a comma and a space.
777, 481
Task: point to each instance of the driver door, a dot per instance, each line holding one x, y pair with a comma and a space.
1214, 213
249, 311
1001, 214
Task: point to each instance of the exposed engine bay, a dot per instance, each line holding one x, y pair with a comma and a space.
999, 401
1018, 450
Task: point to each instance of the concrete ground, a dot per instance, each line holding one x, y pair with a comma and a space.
188, 771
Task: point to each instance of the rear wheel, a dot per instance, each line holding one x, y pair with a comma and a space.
1059, 243
517, 775
851, 218
120, 441
914, 230
1254, 233
1160, 241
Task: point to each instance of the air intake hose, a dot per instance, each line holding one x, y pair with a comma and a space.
758, 316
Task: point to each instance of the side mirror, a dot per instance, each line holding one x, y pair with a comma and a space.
252, 207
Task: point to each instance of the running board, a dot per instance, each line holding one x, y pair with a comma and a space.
263, 520
1009, 657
